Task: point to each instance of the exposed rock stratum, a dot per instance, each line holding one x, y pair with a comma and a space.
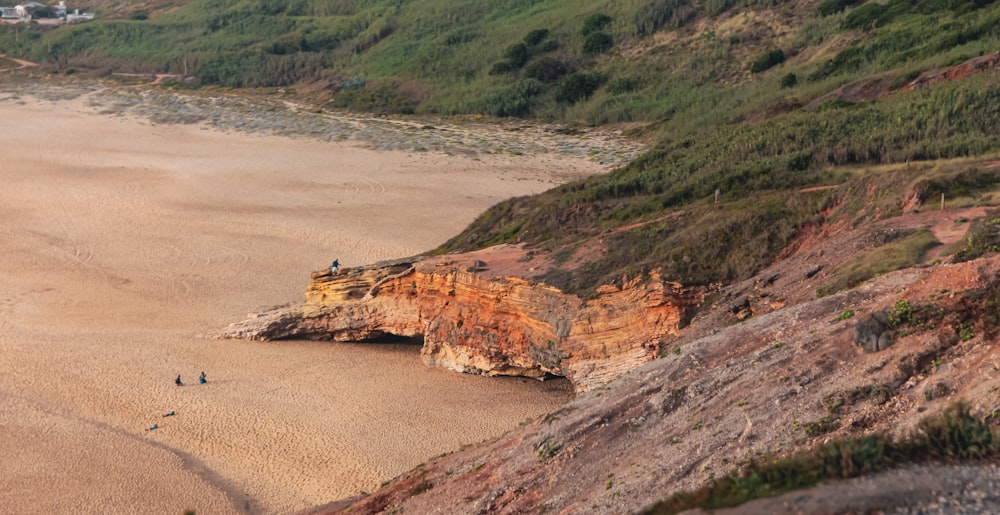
474, 320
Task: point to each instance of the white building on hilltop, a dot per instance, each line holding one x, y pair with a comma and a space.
27, 10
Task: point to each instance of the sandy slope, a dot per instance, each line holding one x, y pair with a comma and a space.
122, 241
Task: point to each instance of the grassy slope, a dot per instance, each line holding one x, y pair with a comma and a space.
670, 61
682, 72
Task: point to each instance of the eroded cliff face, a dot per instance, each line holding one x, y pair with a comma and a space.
473, 320
774, 382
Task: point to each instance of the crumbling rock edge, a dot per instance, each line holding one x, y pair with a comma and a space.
775, 382
475, 320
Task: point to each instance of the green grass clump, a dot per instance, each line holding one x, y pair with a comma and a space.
953, 435
983, 238
900, 253
767, 61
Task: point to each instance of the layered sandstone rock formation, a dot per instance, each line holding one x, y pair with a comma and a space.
774, 382
474, 320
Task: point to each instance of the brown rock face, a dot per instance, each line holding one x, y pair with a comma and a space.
479, 322
775, 382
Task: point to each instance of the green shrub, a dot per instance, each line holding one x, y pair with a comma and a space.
383, 99
844, 315
535, 37
767, 61
578, 86
515, 100
597, 43
595, 22
901, 313
549, 45
983, 238
623, 85
788, 80
221, 71
799, 161
517, 54
545, 69
502, 67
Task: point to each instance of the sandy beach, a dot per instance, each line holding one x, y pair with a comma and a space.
124, 241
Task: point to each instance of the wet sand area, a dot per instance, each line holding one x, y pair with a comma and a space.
126, 235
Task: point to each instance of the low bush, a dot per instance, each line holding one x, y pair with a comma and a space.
383, 99
517, 55
578, 86
597, 43
595, 22
535, 37
546, 69
767, 61
514, 100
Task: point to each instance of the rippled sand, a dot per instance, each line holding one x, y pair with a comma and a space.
122, 241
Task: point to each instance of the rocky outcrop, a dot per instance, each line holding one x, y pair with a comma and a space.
875, 333
773, 383
473, 320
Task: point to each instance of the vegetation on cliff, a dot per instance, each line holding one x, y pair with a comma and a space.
687, 64
952, 435
744, 102
769, 122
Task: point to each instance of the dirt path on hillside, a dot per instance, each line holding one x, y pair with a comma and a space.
21, 63
948, 226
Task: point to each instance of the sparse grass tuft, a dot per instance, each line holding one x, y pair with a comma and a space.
902, 252
955, 434
983, 238
844, 315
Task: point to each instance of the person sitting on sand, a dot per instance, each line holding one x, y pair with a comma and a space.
202, 379
178, 381
334, 267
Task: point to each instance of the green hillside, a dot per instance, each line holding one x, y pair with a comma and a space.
751, 99
590, 61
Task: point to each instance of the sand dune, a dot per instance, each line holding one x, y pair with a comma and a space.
122, 241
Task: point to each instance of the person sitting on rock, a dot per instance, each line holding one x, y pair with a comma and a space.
334, 267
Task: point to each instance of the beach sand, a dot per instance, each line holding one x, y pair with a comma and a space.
123, 242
